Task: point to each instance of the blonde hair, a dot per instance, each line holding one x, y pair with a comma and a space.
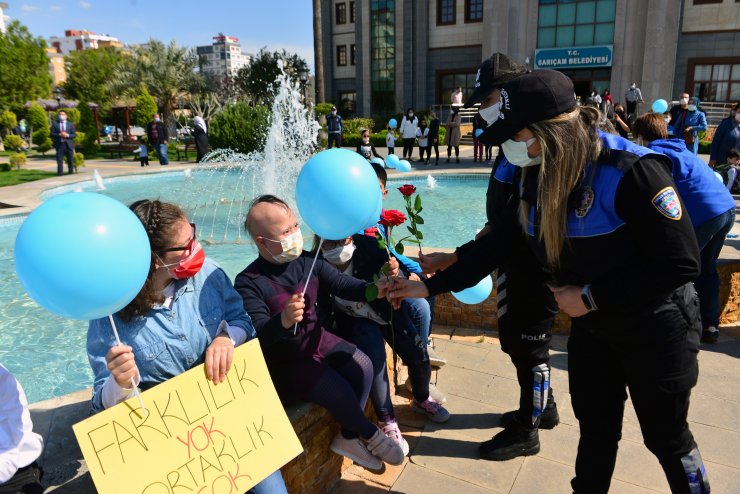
569, 142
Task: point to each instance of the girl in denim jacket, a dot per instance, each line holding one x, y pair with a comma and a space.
187, 313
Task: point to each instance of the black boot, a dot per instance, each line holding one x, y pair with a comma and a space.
548, 420
511, 442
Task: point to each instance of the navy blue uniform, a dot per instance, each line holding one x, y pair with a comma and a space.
630, 238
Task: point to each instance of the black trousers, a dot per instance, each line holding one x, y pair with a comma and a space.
408, 147
334, 138
525, 336
63, 151
653, 354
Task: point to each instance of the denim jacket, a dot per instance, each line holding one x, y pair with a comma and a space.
168, 342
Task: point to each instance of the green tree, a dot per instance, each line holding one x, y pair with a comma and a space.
25, 69
40, 134
73, 115
145, 107
240, 127
88, 74
8, 120
167, 71
258, 80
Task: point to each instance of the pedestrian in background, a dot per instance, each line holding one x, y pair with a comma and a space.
409, 124
63, 134
632, 96
334, 129
452, 136
434, 136
201, 138
157, 133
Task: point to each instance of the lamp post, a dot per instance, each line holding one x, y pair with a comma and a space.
58, 97
303, 78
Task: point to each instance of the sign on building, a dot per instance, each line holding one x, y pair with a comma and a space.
581, 57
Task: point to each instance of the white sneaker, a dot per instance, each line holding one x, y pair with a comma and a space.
355, 450
434, 393
390, 429
385, 448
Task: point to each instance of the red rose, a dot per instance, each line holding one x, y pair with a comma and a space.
407, 190
391, 217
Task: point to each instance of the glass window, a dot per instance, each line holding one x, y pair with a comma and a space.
473, 10
702, 72
352, 12
566, 14
448, 82
606, 10
735, 91
445, 12
604, 34
721, 73
340, 13
352, 54
348, 102
736, 72
564, 36
717, 82
584, 35
586, 12
546, 37
547, 15
382, 55
342, 55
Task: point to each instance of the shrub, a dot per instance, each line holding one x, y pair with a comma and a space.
37, 117
18, 160
79, 160
44, 146
240, 127
323, 109
13, 141
90, 145
4, 167
73, 115
354, 125
703, 147
41, 135
145, 107
8, 120
80, 138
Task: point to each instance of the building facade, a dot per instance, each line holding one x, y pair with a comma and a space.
4, 19
383, 56
224, 57
57, 69
74, 40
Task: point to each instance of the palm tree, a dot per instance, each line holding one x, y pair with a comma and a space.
318, 54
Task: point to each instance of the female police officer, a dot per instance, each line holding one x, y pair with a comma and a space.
603, 217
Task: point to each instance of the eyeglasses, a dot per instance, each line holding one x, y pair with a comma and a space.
187, 247
332, 244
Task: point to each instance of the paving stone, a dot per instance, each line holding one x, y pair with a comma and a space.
469, 335
464, 382
415, 479
352, 484
717, 445
710, 410
503, 393
458, 458
560, 444
722, 478
385, 478
621, 487
543, 477
637, 465
469, 419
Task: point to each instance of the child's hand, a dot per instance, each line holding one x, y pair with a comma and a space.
293, 311
383, 287
391, 268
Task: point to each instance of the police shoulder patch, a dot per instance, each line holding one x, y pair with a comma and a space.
667, 203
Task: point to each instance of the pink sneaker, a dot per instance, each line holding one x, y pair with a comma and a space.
385, 448
436, 412
390, 429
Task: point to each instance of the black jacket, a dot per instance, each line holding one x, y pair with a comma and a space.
161, 133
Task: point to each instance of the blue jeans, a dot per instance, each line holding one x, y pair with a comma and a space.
420, 312
711, 236
161, 150
271, 485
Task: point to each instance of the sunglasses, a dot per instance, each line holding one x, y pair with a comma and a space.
187, 247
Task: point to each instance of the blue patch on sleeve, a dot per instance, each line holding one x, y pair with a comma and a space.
668, 204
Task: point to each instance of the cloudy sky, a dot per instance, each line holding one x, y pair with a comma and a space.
276, 24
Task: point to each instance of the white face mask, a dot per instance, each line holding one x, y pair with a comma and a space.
633, 86
684, 101
411, 114
339, 255
692, 107
516, 153
62, 118
292, 247
156, 119
737, 117
491, 113
333, 112
365, 140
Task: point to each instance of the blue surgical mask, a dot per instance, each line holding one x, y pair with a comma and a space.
516, 153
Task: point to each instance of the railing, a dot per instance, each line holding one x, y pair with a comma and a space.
466, 114
715, 112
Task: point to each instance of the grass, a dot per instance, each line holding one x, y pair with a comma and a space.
15, 177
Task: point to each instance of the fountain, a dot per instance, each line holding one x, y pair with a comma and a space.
431, 182
98, 180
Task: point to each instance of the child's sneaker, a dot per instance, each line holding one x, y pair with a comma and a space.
434, 393
436, 412
385, 448
355, 450
390, 429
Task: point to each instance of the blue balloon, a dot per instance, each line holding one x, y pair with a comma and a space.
392, 161
475, 294
82, 255
660, 106
375, 217
478, 132
337, 192
392, 123
403, 166
377, 160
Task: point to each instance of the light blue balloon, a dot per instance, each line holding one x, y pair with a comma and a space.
403, 166
392, 123
475, 294
337, 192
392, 161
660, 106
377, 160
82, 255
478, 132
375, 217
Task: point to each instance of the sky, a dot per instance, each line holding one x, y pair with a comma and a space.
276, 24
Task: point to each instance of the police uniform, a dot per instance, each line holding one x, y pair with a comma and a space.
525, 309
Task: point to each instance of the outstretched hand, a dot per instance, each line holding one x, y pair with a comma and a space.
436, 261
402, 288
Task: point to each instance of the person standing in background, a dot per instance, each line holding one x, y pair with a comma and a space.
457, 96
726, 137
334, 129
452, 137
690, 122
407, 130
157, 133
63, 134
201, 138
478, 124
633, 96
434, 136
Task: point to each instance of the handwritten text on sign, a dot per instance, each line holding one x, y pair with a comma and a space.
196, 437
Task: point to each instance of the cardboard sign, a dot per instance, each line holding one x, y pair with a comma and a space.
196, 437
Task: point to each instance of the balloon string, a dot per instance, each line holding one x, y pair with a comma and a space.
133, 383
310, 271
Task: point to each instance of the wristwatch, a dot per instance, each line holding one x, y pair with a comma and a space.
588, 300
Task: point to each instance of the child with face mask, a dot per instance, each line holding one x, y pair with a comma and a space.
422, 135
409, 124
365, 147
305, 361
168, 319
367, 324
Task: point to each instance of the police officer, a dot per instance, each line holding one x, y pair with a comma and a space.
526, 307
333, 129
603, 217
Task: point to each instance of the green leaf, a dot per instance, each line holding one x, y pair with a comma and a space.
381, 243
420, 235
411, 230
376, 277
419, 210
417, 203
371, 292
386, 269
399, 248
419, 220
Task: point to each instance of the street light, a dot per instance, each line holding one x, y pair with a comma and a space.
58, 96
303, 78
